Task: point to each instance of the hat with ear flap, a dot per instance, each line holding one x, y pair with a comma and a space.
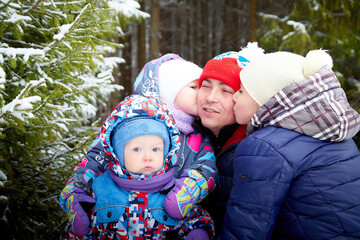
267, 75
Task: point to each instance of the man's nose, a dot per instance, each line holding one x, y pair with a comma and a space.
212, 96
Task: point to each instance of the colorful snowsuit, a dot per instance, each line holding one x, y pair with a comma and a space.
297, 175
128, 208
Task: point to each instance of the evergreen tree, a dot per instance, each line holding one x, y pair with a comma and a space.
332, 25
55, 71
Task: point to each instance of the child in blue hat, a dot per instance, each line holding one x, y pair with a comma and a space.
139, 139
175, 81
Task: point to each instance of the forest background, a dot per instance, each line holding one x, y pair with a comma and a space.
65, 64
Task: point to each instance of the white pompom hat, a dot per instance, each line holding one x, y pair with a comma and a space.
267, 75
173, 76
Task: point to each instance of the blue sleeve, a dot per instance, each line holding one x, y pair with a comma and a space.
262, 177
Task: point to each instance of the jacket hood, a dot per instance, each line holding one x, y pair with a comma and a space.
137, 106
316, 106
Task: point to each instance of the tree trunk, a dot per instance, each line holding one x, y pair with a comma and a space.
253, 20
141, 49
155, 32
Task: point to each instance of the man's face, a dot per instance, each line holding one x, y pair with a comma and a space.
215, 105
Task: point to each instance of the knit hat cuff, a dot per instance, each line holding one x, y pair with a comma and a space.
136, 127
174, 75
225, 70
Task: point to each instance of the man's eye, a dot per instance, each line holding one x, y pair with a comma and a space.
240, 91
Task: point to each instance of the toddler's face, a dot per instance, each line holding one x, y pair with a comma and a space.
186, 98
245, 106
144, 154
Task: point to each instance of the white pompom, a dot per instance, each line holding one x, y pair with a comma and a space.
251, 51
315, 60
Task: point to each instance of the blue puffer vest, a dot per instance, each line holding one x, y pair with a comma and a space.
112, 202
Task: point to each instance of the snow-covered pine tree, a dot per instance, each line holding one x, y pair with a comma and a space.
55, 70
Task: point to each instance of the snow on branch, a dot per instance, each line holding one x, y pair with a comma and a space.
2, 78
66, 28
27, 52
3, 178
21, 106
127, 8
297, 26
18, 107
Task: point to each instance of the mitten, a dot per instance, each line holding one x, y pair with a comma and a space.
197, 234
181, 198
77, 204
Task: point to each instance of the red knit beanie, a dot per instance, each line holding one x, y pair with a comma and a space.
225, 70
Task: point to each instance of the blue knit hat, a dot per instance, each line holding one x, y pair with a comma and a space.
136, 127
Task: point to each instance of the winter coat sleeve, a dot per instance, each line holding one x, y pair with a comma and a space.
92, 165
200, 165
195, 219
262, 178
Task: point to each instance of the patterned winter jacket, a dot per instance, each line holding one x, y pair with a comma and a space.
132, 208
297, 175
195, 158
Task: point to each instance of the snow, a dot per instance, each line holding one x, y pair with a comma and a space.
2, 176
17, 108
64, 29
20, 106
129, 8
16, 18
271, 16
27, 52
2, 78
297, 26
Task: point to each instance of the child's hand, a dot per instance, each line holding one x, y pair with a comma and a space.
77, 204
197, 234
181, 198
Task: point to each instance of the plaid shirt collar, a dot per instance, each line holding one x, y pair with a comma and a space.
316, 106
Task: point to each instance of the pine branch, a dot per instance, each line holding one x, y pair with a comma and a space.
33, 7
68, 28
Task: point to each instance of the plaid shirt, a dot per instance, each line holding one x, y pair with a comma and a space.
316, 106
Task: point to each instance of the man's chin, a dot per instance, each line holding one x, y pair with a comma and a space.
209, 124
